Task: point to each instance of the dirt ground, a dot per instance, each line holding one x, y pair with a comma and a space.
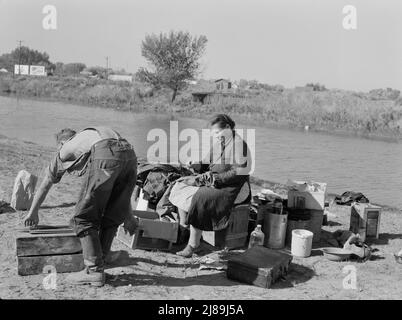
160, 275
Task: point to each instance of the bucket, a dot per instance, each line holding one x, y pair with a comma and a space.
301, 243
277, 231
297, 219
316, 220
292, 225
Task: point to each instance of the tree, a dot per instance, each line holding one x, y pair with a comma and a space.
59, 68
25, 55
316, 86
98, 71
73, 68
174, 58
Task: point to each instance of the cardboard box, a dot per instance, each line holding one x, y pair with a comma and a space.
306, 195
365, 220
310, 200
151, 233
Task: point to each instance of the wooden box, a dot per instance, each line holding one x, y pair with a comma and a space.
365, 220
151, 233
60, 249
235, 235
259, 266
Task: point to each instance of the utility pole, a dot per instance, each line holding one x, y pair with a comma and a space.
19, 57
107, 67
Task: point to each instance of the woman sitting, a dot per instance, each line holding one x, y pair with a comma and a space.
205, 201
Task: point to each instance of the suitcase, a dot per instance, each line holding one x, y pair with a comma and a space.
259, 266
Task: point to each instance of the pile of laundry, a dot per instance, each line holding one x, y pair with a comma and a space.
156, 181
348, 197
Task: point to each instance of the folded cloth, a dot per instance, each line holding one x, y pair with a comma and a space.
182, 194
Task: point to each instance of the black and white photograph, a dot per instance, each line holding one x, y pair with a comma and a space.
200, 151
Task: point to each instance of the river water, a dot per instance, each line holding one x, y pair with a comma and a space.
344, 163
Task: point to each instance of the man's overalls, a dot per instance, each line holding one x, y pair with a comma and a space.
110, 175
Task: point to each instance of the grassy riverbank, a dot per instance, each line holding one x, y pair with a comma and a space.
332, 111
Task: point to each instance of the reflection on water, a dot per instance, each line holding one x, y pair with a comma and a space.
372, 167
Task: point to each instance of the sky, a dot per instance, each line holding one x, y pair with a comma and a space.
288, 42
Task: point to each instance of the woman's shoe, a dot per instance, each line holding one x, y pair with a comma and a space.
188, 251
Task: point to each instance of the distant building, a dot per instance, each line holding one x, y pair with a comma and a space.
86, 73
223, 84
191, 82
305, 88
120, 77
206, 89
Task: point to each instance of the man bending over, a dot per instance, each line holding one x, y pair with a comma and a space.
108, 165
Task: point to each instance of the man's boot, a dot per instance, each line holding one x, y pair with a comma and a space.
93, 273
106, 236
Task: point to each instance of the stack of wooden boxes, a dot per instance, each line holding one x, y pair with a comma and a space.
57, 247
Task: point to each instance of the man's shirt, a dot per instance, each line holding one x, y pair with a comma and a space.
73, 155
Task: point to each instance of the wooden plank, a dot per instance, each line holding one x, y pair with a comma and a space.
47, 244
51, 231
62, 263
146, 214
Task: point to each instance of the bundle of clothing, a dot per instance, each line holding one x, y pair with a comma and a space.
348, 197
155, 179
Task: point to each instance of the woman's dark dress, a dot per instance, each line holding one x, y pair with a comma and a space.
211, 206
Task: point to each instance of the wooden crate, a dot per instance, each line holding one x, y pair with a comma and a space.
34, 251
62, 263
151, 233
235, 235
259, 266
365, 220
